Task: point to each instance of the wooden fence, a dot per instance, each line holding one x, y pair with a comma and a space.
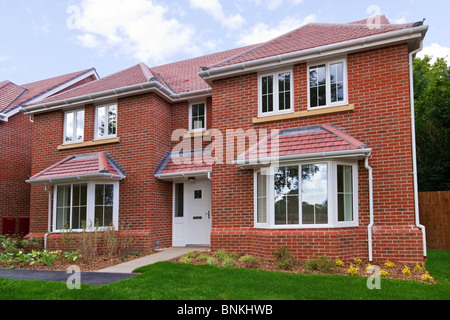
434, 210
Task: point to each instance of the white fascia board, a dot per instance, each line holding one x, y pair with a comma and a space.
152, 86
323, 52
179, 175
84, 177
3, 117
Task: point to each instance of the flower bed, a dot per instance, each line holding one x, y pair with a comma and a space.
284, 262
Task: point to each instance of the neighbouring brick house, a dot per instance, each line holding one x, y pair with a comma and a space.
16, 143
305, 142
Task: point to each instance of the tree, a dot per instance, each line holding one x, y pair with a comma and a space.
432, 113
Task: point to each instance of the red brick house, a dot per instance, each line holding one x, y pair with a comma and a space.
305, 141
16, 143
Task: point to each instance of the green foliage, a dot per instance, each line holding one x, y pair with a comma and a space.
284, 258
322, 264
432, 113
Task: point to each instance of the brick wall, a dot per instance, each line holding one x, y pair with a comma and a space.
15, 167
379, 89
144, 128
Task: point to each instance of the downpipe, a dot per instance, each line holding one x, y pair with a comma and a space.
49, 215
371, 223
414, 150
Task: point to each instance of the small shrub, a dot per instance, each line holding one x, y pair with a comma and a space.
369, 267
190, 255
357, 261
233, 255
322, 264
406, 271
211, 261
221, 255
203, 257
389, 264
185, 259
426, 277
249, 260
339, 263
352, 271
418, 268
384, 274
228, 262
284, 258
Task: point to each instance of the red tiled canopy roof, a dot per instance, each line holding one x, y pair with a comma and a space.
311, 140
93, 165
184, 164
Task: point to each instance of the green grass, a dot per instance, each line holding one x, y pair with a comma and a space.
169, 281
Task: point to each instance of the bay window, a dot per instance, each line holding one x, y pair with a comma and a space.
85, 206
307, 195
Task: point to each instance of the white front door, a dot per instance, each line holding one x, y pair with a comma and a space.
192, 224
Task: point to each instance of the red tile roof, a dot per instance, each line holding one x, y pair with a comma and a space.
13, 96
302, 141
190, 163
95, 165
310, 36
183, 76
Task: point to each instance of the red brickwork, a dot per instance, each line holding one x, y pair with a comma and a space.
378, 86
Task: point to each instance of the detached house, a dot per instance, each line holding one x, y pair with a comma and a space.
305, 141
16, 143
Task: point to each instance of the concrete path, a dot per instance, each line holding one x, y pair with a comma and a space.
165, 255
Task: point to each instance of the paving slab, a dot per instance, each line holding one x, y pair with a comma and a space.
164, 255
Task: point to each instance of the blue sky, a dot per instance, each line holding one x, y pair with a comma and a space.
46, 38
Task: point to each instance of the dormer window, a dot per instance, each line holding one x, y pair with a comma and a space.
275, 93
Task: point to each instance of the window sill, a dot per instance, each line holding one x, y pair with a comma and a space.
303, 114
197, 134
88, 144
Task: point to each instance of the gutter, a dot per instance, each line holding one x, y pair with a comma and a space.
80, 177
414, 149
303, 157
320, 52
152, 85
184, 174
3, 117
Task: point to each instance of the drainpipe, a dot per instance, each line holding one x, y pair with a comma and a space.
49, 215
414, 151
369, 227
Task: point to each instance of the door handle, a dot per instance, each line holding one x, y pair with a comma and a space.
209, 214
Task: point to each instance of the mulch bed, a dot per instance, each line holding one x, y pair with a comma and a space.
395, 272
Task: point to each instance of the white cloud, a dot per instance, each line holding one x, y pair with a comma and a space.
215, 9
138, 28
435, 51
4, 57
262, 32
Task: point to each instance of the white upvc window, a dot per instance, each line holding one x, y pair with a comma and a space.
307, 195
327, 84
106, 121
74, 126
85, 206
275, 93
197, 117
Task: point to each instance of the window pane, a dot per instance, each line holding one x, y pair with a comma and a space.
69, 126
101, 121
317, 82
337, 82
198, 112
112, 120
98, 216
267, 94
109, 195
261, 194
99, 194
62, 218
284, 89
286, 196
108, 217
315, 194
80, 126
179, 200
345, 193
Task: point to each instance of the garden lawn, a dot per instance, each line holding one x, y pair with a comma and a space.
172, 281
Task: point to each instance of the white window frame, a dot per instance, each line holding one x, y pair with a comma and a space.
328, 83
332, 197
107, 106
276, 102
75, 140
191, 129
90, 205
